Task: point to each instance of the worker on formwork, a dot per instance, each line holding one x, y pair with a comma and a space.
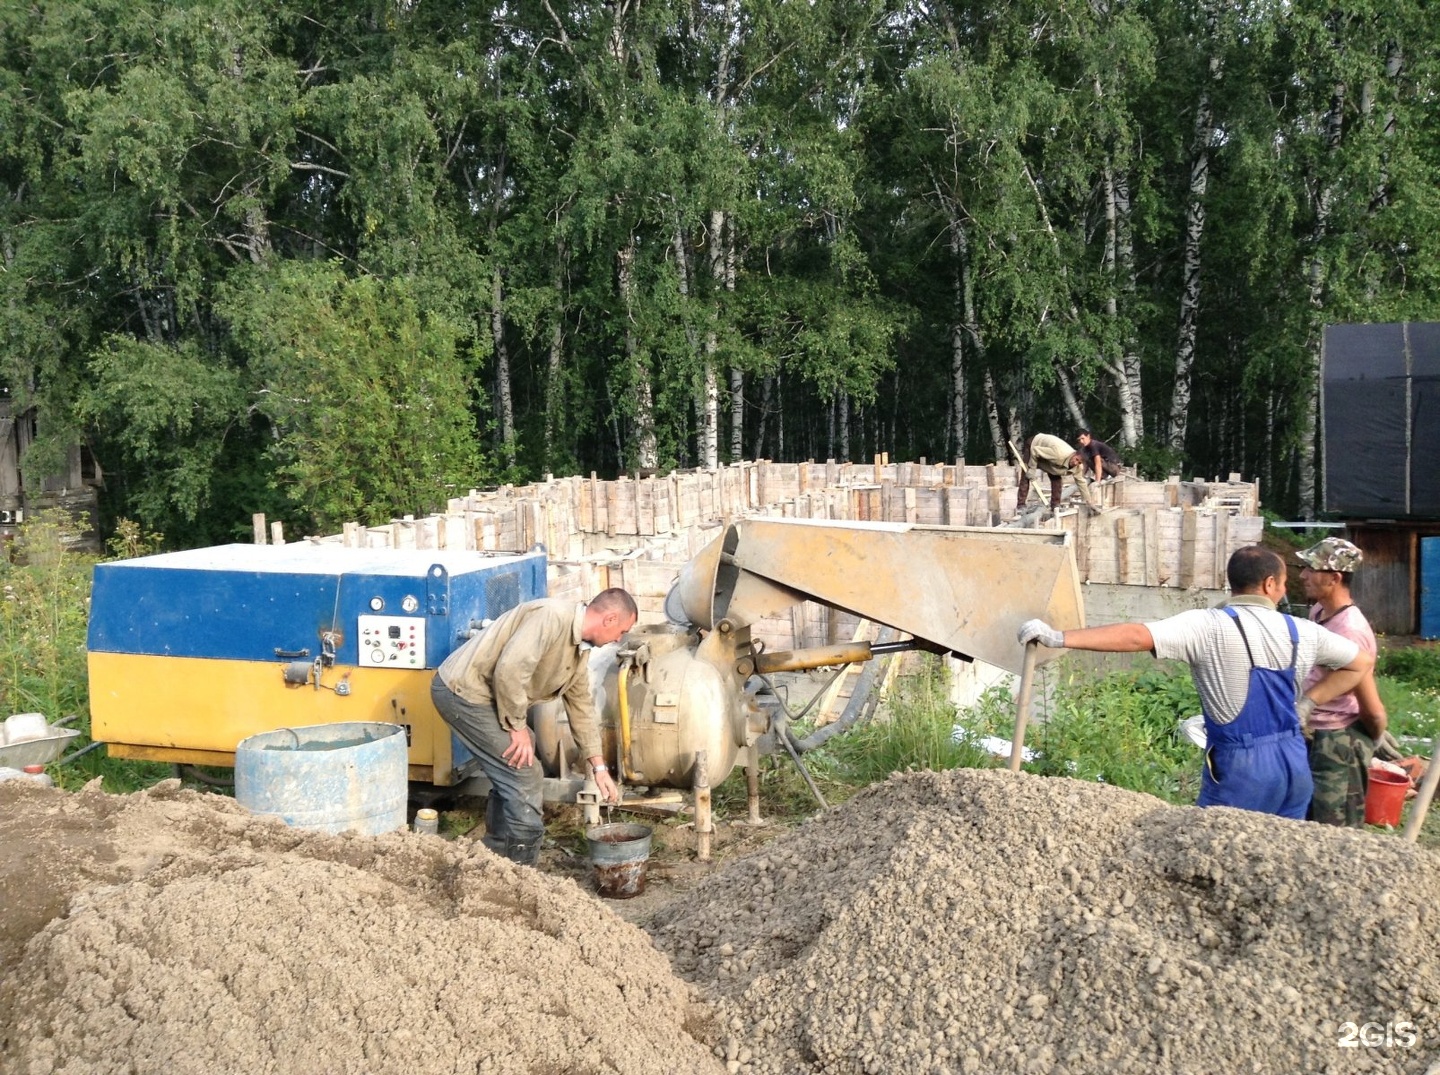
1344, 730
534, 652
1248, 661
1052, 456
1098, 457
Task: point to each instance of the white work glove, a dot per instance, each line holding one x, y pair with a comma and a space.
1042, 632
1304, 707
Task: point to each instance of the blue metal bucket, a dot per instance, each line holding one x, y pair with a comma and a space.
328, 777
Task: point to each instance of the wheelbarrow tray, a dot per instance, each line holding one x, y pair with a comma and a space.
40, 751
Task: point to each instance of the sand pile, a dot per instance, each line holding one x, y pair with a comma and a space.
198, 939
980, 922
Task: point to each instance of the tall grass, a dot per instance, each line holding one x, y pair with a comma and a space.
1409, 683
44, 617
918, 732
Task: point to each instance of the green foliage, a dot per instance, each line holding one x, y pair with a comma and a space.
918, 733
1408, 679
164, 412
1417, 666
844, 203
43, 619
130, 540
368, 393
1118, 728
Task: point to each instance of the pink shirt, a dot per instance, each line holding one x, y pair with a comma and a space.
1344, 711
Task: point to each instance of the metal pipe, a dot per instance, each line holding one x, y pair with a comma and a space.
1422, 798
622, 687
798, 660
1022, 705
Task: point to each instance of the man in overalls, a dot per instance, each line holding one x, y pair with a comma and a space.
1248, 661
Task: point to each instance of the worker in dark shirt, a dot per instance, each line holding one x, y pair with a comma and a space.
1099, 458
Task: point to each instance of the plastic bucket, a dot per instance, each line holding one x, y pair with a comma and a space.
1384, 797
328, 777
619, 853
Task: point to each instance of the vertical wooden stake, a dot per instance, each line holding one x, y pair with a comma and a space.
704, 824
752, 783
258, 522
1423, 797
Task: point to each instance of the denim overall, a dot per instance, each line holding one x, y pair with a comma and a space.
1258, 761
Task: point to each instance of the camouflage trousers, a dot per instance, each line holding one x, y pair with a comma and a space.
1339, 763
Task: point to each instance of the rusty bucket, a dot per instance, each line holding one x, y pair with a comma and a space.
619, 853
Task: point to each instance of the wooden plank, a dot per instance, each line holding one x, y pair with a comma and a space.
1222, 546
1152, 547
825, 708
1189, 532
1122, 549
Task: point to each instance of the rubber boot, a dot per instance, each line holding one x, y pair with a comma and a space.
523, 852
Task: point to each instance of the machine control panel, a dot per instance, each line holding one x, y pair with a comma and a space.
392, 641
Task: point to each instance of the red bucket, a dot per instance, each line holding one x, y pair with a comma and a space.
1385, 797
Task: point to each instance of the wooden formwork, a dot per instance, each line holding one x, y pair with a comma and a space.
638, 532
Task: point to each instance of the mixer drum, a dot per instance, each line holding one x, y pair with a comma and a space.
678, 705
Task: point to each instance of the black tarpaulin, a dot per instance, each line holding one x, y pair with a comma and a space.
1381, 419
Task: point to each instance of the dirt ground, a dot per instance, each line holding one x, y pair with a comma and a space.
974, 921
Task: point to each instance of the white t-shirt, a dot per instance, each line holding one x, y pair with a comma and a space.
1208, 640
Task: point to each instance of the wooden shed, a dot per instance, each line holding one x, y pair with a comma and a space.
75, 490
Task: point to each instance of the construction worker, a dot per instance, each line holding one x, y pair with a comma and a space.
1248, 662
1099, 458
536, 651
1343, 731
1052, 456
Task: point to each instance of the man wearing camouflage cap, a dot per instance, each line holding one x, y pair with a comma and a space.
1343, 730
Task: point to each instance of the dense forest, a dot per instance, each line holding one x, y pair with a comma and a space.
335, 260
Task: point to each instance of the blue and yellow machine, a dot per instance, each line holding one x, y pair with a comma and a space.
191, 652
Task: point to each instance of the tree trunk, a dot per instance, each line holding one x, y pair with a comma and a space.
1132, 412
767, 387
502, 369
1072, 401
960, 324
1194, 232
737, 375
1124, 369
1310, 462
842, 407
554, 386
992, 415
647, 453
710, 417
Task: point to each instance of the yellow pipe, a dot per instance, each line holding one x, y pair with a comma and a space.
622, 687
798, 660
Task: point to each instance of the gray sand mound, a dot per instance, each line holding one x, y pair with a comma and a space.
233, 944
982, 922
957, 922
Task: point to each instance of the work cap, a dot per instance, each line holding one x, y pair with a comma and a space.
1332, 554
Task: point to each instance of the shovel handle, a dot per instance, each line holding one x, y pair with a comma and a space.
1022, 705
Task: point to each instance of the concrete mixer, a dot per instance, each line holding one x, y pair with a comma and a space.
191, 652
679, 699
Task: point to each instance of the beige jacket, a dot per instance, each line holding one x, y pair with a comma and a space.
1051, 454
532, 653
